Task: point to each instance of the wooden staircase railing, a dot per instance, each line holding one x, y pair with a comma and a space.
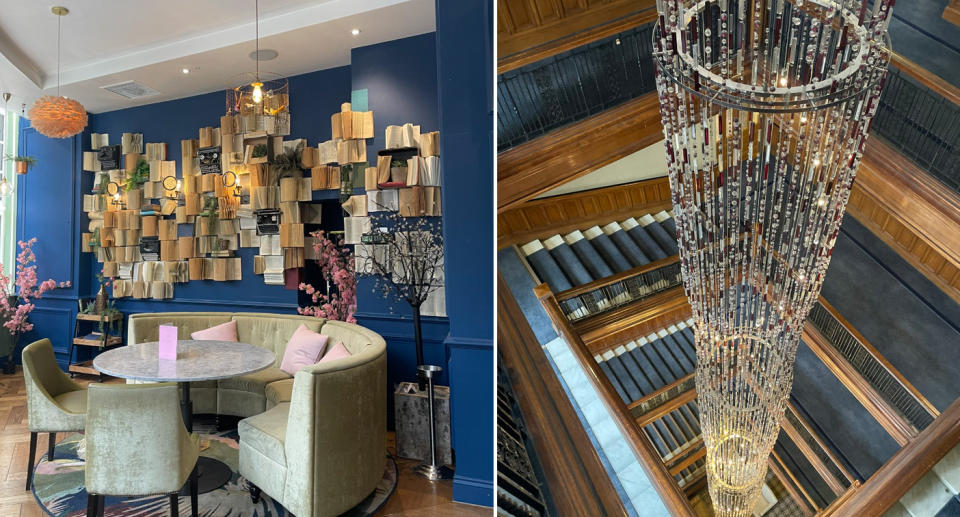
903, 424
672, 496
571, 466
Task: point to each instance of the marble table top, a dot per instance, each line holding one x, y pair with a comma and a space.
196, 361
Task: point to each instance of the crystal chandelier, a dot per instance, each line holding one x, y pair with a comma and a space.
765, 106
56, 116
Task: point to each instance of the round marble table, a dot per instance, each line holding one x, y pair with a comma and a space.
196, 361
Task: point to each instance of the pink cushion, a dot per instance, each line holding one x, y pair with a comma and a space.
222, 332
337, 352
303, 349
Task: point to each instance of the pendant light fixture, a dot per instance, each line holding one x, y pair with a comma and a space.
766, 105
58, 117
262, 95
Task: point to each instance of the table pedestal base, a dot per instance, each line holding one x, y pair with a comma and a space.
211, 475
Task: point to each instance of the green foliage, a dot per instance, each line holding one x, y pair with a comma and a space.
398, 163
139, 176
29, 160
259, 151
287, 162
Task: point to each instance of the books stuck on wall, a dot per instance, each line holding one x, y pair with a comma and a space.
407, 135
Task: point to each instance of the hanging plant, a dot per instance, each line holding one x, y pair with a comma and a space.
287, 162
23, 163
259, 151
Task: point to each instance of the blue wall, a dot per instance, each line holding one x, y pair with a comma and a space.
465, 78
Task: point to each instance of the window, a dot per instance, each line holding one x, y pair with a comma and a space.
8, 203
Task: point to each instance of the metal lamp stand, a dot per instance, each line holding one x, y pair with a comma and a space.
431, 470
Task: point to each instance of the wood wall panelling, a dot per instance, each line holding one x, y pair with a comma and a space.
535, 167
573, 470
561, 214
525, 24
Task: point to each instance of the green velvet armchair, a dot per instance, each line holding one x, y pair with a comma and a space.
54, 402
320, 449
137, 445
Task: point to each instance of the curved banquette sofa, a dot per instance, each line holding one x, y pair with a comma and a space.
315, 442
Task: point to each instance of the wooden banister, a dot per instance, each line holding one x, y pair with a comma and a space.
926, 78
901, 472
789, 482
551, 160
901, 430
571, 466
823, 446
619, 277
634, 320
877, 356
672, 496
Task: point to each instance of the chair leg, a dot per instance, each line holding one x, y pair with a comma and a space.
51, 445
254, 493
100, 505
91, 505
33, 457
174, 505
194, 488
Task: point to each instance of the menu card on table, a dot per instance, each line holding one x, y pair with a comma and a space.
168, 342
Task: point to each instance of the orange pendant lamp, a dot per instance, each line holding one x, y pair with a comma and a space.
56, 116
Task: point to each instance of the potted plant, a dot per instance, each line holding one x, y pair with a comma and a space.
140, 175
336, 265
16, 305
398, 171
23, 163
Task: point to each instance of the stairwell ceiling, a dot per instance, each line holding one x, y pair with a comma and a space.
111, 41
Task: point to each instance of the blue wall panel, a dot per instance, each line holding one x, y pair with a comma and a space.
465, 78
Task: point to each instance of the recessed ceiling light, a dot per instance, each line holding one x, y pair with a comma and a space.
355, 32
264, 54
185, 70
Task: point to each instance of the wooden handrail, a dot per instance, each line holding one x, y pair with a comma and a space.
787, 479
619, 277
672, 496
818, 465
926, 78
694, 451
877, 356
551, 160
816, 438
901, 472
901, 430
516, 60
571, 465
634, 320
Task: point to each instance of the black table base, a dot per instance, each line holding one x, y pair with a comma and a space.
211, 473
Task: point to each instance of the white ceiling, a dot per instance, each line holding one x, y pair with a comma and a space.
110, 41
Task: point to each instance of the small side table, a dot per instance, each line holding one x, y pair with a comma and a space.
86, 333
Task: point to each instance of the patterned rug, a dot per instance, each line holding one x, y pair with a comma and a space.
59, 489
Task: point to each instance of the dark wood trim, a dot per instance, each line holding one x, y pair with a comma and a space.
924, 76
931, 409
549, 161
541, 29
543, 217
573, 469
696, 485
901, 472
890, 419
672, 496
691, 453
951, 13
634, 320
646, 13
818, 465
660, 411
790, 482
816, 437
619, 277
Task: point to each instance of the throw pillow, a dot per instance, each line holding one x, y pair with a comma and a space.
303, 349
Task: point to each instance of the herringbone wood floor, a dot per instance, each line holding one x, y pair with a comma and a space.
415, 496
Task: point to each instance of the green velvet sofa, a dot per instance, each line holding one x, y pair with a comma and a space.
316, 442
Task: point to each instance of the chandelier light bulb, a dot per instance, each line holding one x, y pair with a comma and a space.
257, 92
4, 187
